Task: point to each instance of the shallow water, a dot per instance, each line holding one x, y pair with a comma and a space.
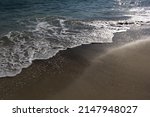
38, 29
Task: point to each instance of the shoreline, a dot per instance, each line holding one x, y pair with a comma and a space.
68, 75
58, 65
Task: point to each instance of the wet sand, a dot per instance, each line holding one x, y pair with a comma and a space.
122, 73
119, 70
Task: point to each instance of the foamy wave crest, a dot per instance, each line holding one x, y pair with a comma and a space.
137, 10
129, 3
140, 14
45, 37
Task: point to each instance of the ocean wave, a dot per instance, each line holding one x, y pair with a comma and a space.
45, 37
140, 14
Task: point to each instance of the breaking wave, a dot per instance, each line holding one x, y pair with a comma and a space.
44, 37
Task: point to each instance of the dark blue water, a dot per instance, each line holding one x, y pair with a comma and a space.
38, 29
11, 11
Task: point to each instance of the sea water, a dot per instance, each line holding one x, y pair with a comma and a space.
39, 29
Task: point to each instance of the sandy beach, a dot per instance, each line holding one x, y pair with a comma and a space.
118, 70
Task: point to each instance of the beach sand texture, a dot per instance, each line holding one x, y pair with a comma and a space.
122, 73
95, 71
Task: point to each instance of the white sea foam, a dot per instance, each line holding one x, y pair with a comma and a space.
140, 14
50, 35
128, 3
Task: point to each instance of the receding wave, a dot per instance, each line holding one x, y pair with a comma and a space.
44, 37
